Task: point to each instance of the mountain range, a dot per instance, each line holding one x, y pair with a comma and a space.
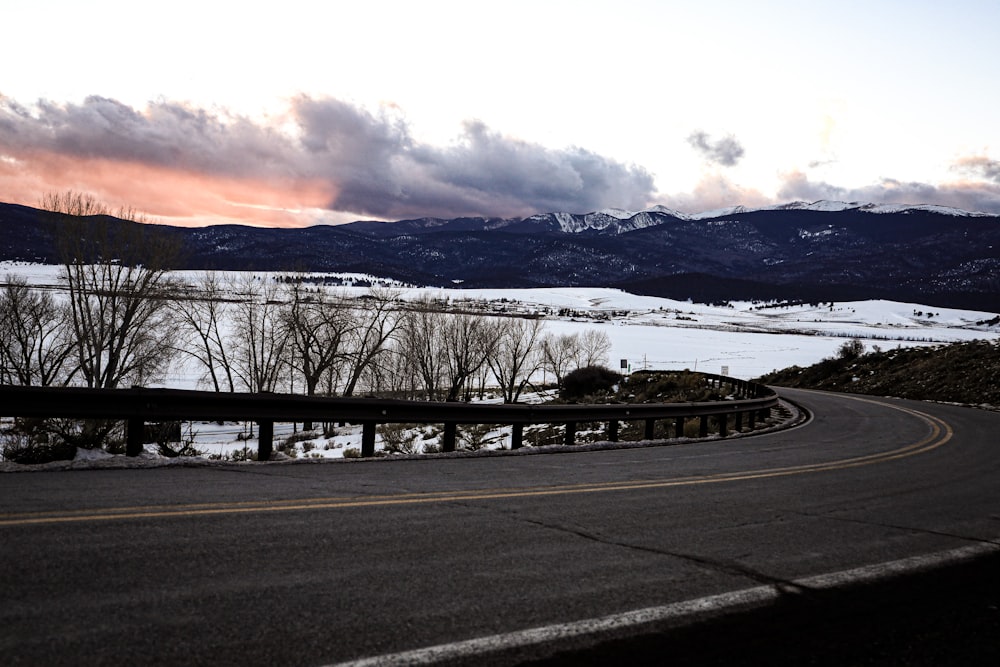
819, 251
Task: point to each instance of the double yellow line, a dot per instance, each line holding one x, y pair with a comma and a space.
940, 433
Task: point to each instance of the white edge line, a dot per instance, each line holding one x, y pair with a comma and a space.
713, 603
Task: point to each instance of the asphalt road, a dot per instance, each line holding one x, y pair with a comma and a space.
313, 564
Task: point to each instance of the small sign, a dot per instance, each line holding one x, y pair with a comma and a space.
624, 364
725, 370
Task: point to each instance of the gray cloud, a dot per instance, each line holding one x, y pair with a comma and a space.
980, 166
965, 195
370, 160
727, 151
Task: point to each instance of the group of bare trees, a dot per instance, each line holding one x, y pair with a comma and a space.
451, 355
248, 334
121, 320
251, 333
113, 327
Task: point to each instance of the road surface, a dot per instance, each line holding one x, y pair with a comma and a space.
478, 561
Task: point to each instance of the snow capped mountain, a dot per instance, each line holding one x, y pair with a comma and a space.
812, 251
615, 221
867, 207
619, 221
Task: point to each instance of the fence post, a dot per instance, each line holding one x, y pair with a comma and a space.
368, 438
448, 442
517, 436
739, 422
679, 428
650, 429
723, 425
133, 436
703, 429
613, 430
570, 434
265, 439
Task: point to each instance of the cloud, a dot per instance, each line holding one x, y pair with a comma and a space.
322, 154
715, 191
966, 195
979, 165
726, 152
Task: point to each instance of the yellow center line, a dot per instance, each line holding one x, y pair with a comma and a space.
940, 433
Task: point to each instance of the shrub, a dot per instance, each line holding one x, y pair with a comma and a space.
668, 387
852, 349
398, 438
352, 453
588, 381
288, 445
165, 434
245, 454
20, 448
475, 436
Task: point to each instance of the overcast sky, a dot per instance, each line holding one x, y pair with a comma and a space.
297, 112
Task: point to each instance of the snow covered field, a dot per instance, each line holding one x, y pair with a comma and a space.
743, 340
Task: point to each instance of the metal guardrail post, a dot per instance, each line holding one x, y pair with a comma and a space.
449, 437
368, 438
752, 419
517, 436
703, 428
265, 439
613, 430
679, 427
570, 434
723, 425
739, 422
133, 436
650, 429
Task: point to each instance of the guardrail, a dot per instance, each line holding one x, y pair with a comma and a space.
137, 406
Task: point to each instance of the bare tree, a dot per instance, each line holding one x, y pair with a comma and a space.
467, 341
36, 343
260, 336
116, 275
201, 318
595, 346
374, 329
317, 327
419, 345
516, 356
560, 353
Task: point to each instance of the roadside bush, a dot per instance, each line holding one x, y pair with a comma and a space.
852, 349
475, 436
168, 439
288, 445
245, 454
539, 435
667, 387
588, 381
398, 438
352, 453
21, 448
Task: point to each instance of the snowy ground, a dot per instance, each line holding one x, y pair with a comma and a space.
743, 340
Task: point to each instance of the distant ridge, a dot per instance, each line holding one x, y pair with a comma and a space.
818, 251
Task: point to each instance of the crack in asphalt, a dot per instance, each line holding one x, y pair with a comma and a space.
912, 529
783, 586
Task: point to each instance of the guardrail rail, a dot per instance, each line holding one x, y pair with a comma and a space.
137, 406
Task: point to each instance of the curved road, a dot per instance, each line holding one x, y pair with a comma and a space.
318, 564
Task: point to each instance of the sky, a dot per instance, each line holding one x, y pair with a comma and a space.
304, 112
